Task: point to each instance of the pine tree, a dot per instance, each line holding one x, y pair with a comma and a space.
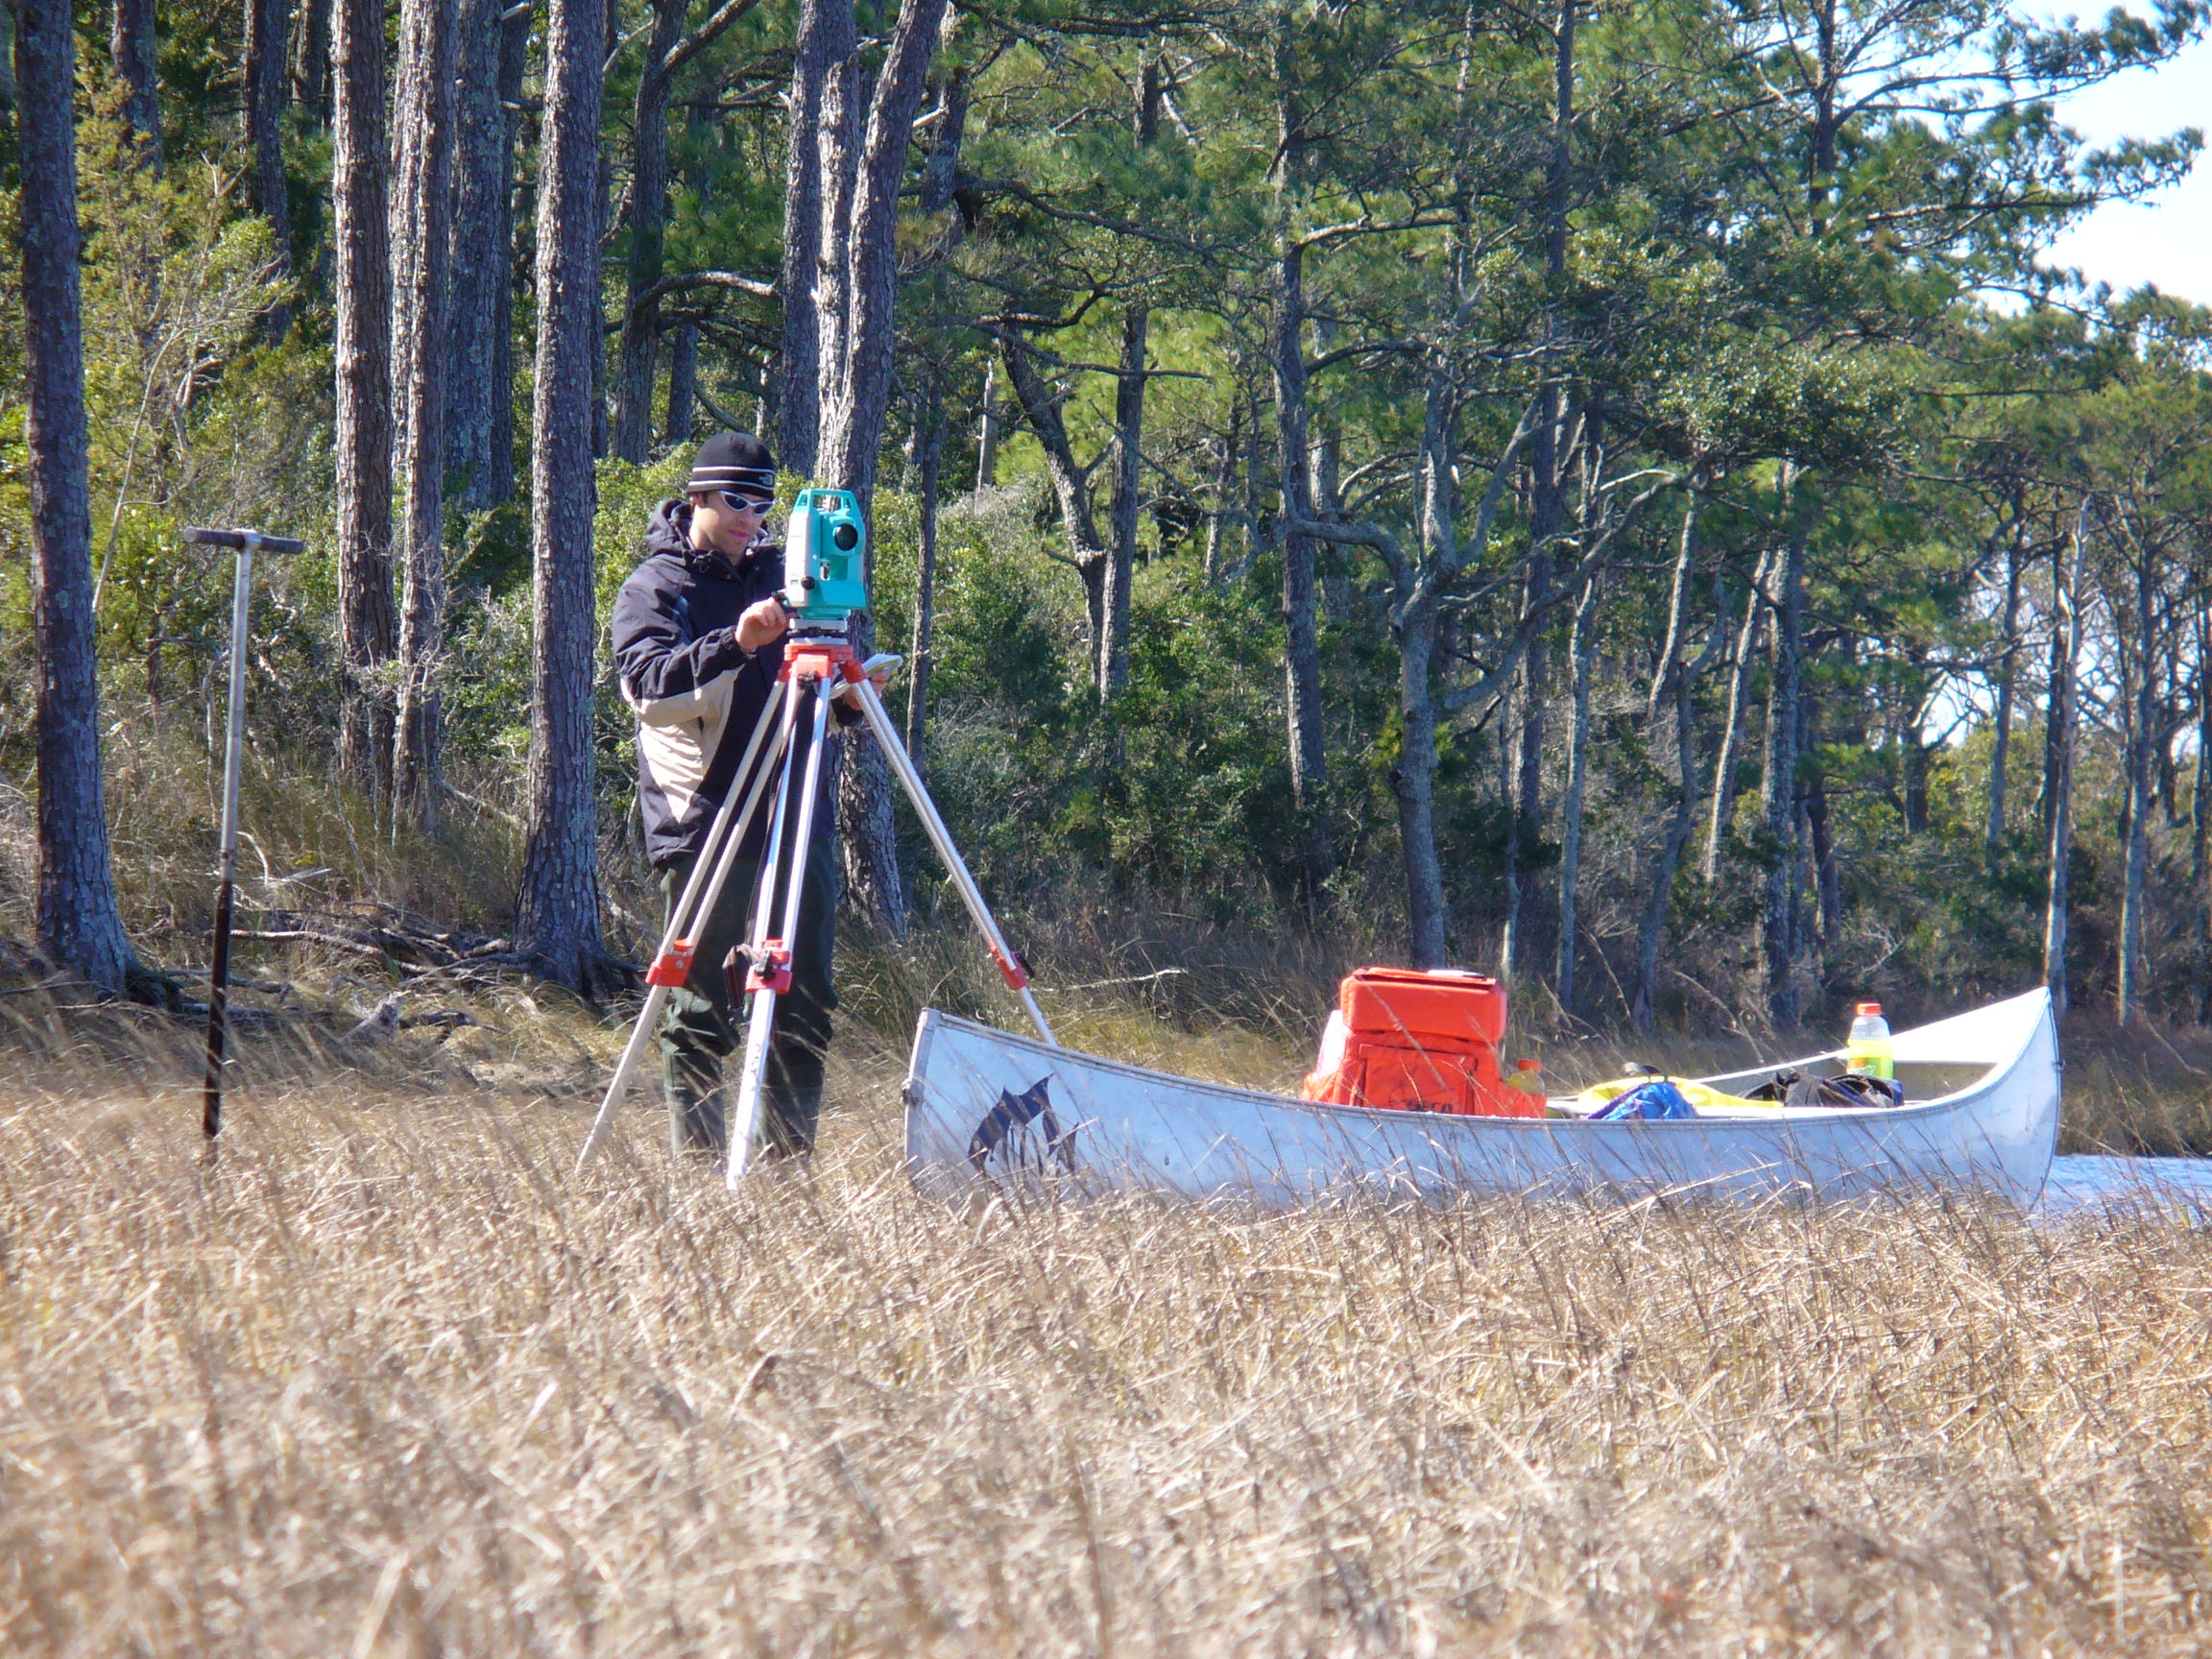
132, 41
480, 389
265, 89
361, 242
557, 920
422, 342
80, 928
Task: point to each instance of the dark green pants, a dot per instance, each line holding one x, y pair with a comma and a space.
702, 1027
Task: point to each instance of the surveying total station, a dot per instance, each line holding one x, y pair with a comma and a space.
825, 582
825, 559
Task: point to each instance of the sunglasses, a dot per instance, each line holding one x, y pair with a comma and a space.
737, 501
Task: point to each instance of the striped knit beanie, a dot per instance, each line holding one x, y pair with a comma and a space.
733, 461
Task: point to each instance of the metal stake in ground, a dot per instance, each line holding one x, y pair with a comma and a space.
245, 543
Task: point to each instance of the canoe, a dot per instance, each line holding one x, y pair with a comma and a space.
986, 1109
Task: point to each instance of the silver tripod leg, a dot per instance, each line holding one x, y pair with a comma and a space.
708, 873
1017, 976
760, 1026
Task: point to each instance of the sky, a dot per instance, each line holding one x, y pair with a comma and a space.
2168, 239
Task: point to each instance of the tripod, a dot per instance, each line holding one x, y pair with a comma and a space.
818, 664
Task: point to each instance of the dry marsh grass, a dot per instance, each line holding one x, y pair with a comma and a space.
385, 1381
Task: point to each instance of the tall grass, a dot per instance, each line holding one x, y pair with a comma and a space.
384, 1380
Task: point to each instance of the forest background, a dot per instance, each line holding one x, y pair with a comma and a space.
1606, 494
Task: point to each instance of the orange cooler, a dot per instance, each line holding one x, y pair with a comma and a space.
1425, 1042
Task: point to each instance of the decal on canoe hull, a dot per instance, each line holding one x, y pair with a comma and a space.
1022, 1132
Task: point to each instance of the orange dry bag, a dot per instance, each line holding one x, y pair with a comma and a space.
1418, 1040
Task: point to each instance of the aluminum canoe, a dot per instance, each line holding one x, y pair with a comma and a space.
988, 1109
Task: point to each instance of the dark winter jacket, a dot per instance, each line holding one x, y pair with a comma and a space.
697, 694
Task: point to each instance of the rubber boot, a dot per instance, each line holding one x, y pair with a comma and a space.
696, 1122
790, 1114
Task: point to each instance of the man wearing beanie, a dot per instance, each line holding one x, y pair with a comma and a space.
698, 641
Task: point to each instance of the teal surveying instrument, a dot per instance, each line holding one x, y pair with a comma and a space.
825, 557
824, 583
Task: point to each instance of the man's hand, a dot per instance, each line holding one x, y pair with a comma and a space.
763, 624
878, 671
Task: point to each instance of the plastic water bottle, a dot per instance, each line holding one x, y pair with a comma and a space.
1868, 1052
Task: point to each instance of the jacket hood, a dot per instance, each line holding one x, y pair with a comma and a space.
668, 531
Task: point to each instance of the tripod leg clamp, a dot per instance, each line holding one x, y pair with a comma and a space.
672, 967
1015, 969
771, 968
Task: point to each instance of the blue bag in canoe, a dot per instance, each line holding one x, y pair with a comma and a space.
1658, 1098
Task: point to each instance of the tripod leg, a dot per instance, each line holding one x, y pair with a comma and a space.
940, 837
708, 873
760, 1027
762, 1014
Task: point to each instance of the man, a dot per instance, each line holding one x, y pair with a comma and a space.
698, 641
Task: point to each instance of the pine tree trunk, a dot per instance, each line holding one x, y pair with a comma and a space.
133, 41
1675, 681
1301, 635
1287, 350
857, 367
844, 115
1223, 492
987, 431
1827, 877
2201, 783
265, 88
941, 172
2060, 738
1113, 661
309, 57
423, 331
932, 452
1548, 515
1651, 929
858, 313
825, 42
1413, 777
1779, 797
1913, 762
1742, 664
2201, 822
631, 430
1582, 653
2001, 736
361, 235
1413, 781
1525, 798
2141, 727
683, 384
556, 921
1041, 410
2046, 796
1252, 507
80, 929
480, 390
